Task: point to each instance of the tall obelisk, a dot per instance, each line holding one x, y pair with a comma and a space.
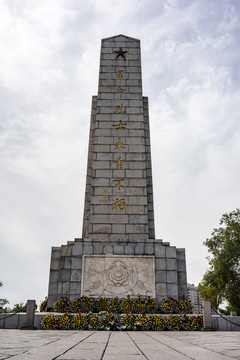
119, 203
118, 254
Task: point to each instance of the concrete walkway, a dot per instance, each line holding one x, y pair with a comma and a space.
90, 345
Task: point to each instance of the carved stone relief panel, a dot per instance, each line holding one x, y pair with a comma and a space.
111, 275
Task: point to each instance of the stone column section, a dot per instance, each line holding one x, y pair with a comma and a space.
119, 202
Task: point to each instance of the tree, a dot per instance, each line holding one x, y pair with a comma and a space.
21, 307
3, 302
222, 280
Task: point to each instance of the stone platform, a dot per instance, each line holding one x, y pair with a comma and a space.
90, 345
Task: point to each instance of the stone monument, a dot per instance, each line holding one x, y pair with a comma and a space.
118, 254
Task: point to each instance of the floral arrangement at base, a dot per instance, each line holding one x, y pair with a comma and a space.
79, 322
93, 321
168, 306
66, 321
128, 321
50, 322
87, 304
142, 322
127, 305
151, 305
139, 305
62, 305
183, 306
109, 321
76, 305
158, 322
102, 304
174, 322
114, 305
43, 305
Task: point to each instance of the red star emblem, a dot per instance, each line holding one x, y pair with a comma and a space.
120, 52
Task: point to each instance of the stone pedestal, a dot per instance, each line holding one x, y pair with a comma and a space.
30, 316
118, 222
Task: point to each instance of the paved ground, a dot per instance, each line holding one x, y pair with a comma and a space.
90, 345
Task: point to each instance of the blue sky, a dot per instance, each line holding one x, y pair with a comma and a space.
48, 73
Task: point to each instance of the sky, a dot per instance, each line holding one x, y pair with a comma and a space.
49, 64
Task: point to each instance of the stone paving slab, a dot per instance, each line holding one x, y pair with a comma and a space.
93, 345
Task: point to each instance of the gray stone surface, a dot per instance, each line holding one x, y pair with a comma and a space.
83, 345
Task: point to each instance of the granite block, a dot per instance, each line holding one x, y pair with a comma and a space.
102, 229
172, 264
55, 264
67, 262
77, 249
118, 228
65, 287
53, 288
76, 263
129, 249
161, 289
65, 275
172, 290
88, 249
171, 252
56, 253
75, 287
172, 277
118, 249
108, 249
138, 219
161, 276
53, 276
139, 249
97, 249
66, 250
160, 263
181, 265
182, 278
149, 249
76, 275
181, 254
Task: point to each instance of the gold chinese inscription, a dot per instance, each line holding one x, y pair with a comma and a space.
119, 145
119, 163
120, 91
118, 184
120, 126
120, 75
119, 109
105, 195
119, 204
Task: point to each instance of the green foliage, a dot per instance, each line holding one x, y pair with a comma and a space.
21, 307
222, 280
3, 303
3, 308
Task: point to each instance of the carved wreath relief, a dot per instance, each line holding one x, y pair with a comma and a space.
111, 276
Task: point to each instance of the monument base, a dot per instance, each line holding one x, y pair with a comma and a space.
97, 268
